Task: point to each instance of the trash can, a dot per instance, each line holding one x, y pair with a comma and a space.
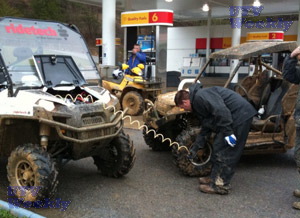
106, 71
173, 78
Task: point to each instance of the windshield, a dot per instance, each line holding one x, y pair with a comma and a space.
20, 39
58, 70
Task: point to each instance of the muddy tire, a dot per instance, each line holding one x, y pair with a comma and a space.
186, 138
156, 144
118, 158
30, 165
134, 102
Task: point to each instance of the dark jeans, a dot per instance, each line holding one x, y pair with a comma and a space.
225, 158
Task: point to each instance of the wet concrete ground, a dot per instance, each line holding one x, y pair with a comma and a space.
262, 187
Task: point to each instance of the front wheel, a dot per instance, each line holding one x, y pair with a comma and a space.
201, 165
118, 158
31, 173
134, 102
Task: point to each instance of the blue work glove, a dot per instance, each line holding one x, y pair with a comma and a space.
231, 140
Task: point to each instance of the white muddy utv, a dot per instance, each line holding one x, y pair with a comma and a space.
48, 113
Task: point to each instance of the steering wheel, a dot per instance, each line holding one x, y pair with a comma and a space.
203, 156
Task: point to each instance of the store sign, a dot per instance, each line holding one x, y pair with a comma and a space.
147, 18
265, 36
99, 41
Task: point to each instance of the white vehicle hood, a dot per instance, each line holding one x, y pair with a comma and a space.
27, 99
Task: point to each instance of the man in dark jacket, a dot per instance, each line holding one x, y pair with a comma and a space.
137, 57
230, 117
291, 73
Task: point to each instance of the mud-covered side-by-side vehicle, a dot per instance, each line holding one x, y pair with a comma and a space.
48, 113
273, 130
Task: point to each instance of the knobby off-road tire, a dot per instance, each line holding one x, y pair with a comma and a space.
156, 144
186, 138
118, 158
134, 102
31, 165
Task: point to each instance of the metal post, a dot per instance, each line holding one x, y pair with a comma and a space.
128, 7
109, 32
208, 37
157, 47
161, 49
271, 68
233, 74
202, 70
125, 46
236, 37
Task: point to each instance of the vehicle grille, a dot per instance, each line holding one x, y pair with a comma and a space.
88, 121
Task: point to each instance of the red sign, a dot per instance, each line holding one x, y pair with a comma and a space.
161, 17
276, 35
147, 18
215, 43
99, 41
265, 36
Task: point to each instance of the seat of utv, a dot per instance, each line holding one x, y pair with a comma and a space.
252, 87
274, 97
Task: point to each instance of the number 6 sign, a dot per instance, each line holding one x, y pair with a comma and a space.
147, 18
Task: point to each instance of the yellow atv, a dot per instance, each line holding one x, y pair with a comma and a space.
132, 89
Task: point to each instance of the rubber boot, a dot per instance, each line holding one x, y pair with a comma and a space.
296, 205
297, 193
205, 180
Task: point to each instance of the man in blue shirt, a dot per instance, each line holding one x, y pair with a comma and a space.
137, 57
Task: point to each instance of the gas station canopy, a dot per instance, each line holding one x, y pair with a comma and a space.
192, 9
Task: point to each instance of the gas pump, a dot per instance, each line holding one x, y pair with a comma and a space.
147, 44
153, 44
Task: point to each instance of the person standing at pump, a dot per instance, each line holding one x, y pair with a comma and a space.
137, 57
227, 114
291, 72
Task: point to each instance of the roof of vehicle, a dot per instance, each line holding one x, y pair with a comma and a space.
252, 49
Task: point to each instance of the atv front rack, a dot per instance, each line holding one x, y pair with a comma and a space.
102, 129
89, 134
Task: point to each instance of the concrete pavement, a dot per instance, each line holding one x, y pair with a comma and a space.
262, 187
